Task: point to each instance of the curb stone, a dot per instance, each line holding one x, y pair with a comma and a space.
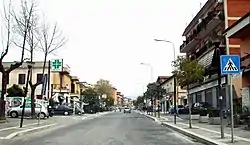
200, 138
27, 131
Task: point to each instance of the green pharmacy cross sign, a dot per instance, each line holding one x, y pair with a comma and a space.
57, 65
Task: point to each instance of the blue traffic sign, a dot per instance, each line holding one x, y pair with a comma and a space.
230, 64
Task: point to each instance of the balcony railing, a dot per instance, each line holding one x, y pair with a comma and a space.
205, 26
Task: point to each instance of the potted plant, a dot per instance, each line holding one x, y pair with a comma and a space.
195, 114
214, 116
203, 118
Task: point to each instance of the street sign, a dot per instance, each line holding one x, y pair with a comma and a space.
57, 65
230, 64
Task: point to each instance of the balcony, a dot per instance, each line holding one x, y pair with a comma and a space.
204, 27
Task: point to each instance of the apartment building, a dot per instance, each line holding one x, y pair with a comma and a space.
168, 99
204, 35
241, 30
75, 89
114, 95
19, 76
120, 98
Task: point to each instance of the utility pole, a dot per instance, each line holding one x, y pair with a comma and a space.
48, 93
217, 42
175, 111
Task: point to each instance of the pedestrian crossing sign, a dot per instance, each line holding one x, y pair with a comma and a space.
230, 64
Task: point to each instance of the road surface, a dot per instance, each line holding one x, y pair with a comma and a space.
112, 129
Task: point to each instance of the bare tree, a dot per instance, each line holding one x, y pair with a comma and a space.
33, 41
49, 41
8, 15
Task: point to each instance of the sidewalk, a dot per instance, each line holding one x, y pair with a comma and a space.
12, 128
208, 134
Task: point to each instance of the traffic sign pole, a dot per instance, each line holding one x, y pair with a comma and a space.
230, 65
231, 108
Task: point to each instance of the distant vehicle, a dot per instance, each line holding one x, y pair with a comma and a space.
127, 110
15, 112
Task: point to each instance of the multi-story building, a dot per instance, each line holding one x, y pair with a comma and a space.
75, 89
204, 37
168, 99
114, 95
241, 30
119, 98
19, 76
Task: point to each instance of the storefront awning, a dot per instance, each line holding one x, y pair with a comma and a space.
206, 60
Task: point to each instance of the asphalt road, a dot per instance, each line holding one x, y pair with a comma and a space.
112, 129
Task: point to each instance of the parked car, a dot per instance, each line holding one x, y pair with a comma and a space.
78, 110
40, 110
127, 110
198, 105
178, 107
62, 110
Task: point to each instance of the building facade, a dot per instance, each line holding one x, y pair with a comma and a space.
53, 87
204, 37
241, 30
19, 76
114, 95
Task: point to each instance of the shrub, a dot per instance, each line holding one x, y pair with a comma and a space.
195, 111
203, 112
214, 113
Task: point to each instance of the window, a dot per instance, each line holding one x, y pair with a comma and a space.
39, 77
21, 79
72, 88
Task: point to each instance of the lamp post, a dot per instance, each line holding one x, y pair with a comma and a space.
151, 70
151, 79
216, 42
175, 79
29, 64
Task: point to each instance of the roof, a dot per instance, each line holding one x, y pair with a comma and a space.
239, 25
169, 78
114, 88
200, 14
160, 79
75, 78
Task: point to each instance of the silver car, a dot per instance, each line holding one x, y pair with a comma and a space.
14, 112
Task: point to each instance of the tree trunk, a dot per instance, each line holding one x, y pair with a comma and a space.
2, 101
32, 88
189, 108
33, 113
158, 105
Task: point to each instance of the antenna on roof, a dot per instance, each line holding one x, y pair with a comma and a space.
192, 15
200, 5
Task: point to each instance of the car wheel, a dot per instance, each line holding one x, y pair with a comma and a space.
66, 113
42, 115
14, 114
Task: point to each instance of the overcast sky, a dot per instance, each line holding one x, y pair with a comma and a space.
110, 38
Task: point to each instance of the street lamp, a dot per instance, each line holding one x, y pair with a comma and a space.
152, 79
175, 79
151, 70
30, 65
216, 42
